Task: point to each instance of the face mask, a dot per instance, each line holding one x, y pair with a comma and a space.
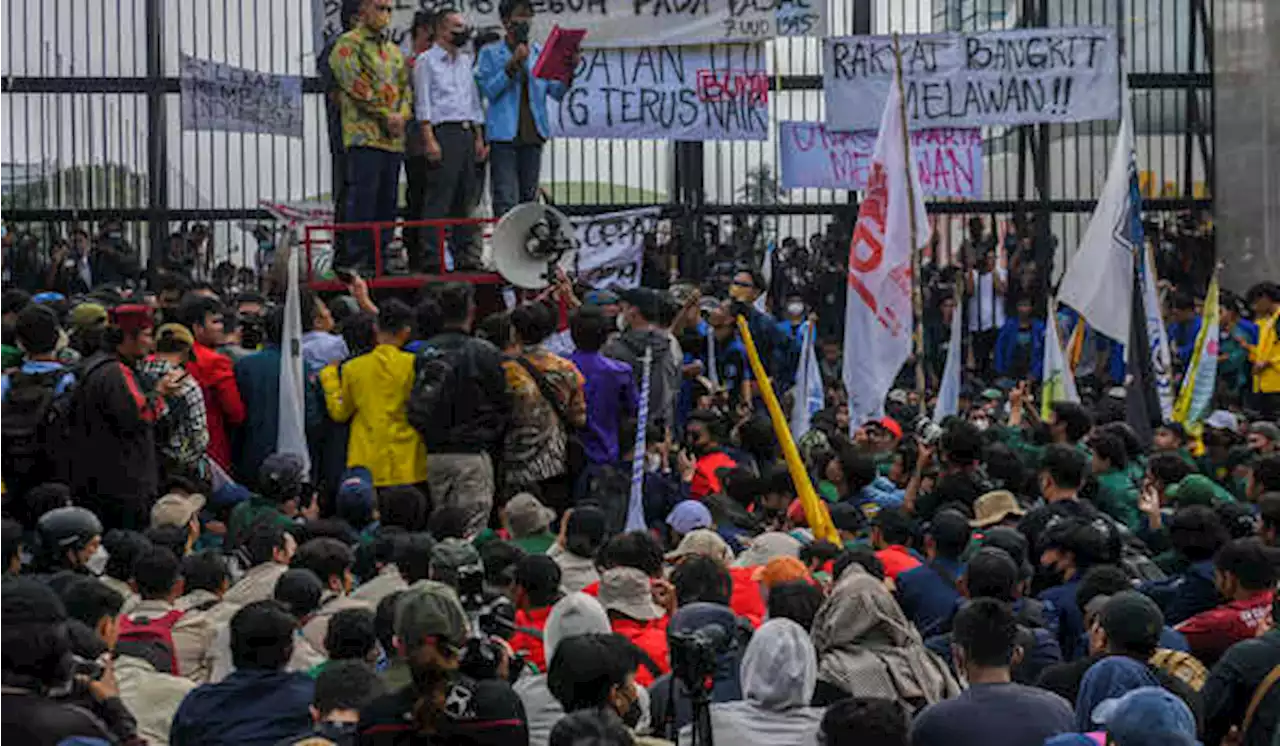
652, 461
981, 424
621, 322
520, 30
97, 563
631, 718
739, 292
461, 36
795, 309
114, 236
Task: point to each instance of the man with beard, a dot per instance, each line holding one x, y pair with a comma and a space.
441, 705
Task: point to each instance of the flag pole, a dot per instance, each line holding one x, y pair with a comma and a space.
917, 299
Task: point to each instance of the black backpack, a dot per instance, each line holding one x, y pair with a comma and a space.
434, 393
32, 424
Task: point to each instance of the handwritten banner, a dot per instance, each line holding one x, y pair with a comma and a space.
1023, 76
619, 23
217, 96
669, 93
948, 161
611, 246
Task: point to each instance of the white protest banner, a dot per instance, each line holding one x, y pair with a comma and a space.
611, 246
1021, 76
623, 23
217, 96
948, 161
672, 93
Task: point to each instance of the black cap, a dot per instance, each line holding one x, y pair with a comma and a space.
1132, 622
281, 476
846, 517
1013, 543
646, 300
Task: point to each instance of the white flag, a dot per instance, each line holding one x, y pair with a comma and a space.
766, 272
291, 437
1059, 383
1099, 279
878, 325
807, 394
1161, 360
949, 391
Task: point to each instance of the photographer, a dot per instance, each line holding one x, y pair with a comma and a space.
442, 705
36, 650
700, 635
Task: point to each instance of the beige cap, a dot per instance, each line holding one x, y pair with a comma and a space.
176, 510
703, 542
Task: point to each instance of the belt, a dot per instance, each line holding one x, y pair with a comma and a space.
466, 126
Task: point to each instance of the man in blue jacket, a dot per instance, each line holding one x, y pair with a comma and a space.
260, 702
516, 123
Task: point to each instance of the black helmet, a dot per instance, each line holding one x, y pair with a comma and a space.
67, 528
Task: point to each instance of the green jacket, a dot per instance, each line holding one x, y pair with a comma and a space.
1118, 497
250, 513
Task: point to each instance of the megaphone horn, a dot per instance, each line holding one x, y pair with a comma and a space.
530, 242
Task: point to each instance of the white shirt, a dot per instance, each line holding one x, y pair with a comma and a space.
986, 307
444, 89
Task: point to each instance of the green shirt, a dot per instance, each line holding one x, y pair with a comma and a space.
536, 544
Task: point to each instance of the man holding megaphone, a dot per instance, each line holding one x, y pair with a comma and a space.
516, 122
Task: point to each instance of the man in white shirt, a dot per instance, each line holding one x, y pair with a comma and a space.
447, 106
985, 289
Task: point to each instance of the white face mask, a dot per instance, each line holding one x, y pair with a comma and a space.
795, 309
97, 563
621, 321
652, 461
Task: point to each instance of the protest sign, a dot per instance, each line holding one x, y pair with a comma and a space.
1022, 76
217, 96
672, 93
619, 23
611, 246
948, 161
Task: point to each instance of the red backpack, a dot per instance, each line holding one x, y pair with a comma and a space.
151, 639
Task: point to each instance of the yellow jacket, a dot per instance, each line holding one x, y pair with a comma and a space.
1267, 380
371, 391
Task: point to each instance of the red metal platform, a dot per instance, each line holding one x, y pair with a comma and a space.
315, 235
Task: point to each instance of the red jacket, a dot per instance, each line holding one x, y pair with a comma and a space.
222, 403
747, 600
530, 645
651, 637
705, 480
1211, 632
897, 560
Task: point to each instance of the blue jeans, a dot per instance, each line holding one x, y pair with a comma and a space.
373, 182
513, 174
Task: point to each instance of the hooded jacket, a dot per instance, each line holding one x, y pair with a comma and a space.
575, 614
779, 672
664, 378
867, 648
371, 391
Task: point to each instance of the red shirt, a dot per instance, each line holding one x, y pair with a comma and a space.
222, 404
530, 645
705, 480
897, 559
747, 600
1211, 632
651, 637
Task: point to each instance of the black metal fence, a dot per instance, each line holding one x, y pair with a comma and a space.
92, 112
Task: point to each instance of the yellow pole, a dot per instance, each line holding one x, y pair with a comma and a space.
814, 509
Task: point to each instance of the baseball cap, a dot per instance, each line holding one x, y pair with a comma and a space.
993, 507
1147, 716
689, 515
356, 487
88, 316
1132, 621
176, 331
132, 317
626, 591
281, 476
1194, 489
897, 396
1221, 419
992, 394
1013, 543
646, 300
526, 515
781, 570
846, 517
890, 424
600, 298
430, 609
48, 296
1266, 429
702, 542
176, 510
450, 555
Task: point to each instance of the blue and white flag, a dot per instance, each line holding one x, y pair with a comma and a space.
291, 437
949, 391
635, 503
807, 394
1157, 337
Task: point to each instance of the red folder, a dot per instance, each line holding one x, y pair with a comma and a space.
556, 60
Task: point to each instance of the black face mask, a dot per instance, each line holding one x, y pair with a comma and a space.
460, 38
631, 718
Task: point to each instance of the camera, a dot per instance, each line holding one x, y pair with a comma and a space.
487, 617
928, 431
694, 654
87, 667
